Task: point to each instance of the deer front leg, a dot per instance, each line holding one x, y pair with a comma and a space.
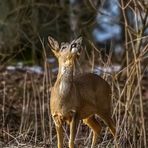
73, 126
59, 130
59, 136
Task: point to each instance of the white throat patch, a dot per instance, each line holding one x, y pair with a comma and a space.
62, 70
63, 88
64, 85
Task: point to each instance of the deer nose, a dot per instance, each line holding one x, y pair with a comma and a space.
74, 45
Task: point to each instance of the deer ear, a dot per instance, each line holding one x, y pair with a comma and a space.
78, 41
54, 45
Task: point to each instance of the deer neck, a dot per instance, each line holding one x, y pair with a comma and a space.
64, 80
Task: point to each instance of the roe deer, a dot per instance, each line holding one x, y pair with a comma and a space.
77, 97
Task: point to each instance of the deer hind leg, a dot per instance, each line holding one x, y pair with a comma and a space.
95, 126
108, 120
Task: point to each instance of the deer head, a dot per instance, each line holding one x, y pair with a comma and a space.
66, 53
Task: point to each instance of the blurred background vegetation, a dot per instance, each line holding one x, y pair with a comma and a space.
24, 23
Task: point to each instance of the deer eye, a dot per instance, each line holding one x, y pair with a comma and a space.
64, 47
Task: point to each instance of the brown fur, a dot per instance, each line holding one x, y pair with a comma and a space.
75, 98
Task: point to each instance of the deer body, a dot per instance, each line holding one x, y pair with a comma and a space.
75, 98
77, 94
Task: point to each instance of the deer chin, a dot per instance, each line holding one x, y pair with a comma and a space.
74, 50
